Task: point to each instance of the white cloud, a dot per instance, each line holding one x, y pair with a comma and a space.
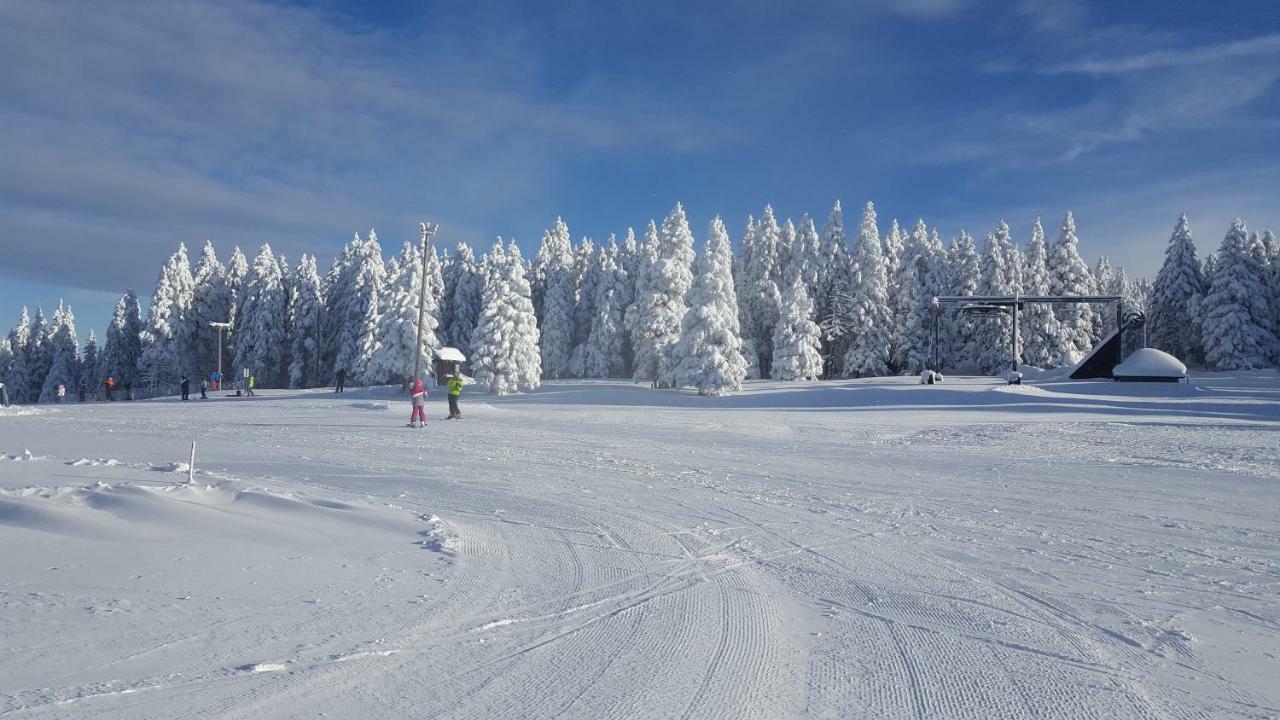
1171, 58
239, 121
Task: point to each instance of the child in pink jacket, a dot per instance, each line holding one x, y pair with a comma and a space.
419, 399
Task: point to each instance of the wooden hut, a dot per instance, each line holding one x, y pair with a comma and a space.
448, 362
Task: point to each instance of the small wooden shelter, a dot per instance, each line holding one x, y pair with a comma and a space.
448, 362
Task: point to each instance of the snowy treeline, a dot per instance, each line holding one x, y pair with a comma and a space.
793, 303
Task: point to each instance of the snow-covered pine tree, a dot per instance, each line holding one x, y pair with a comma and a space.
436, 288
6, 361
91, 362
604, 357
1238, 328
764, 270
450, 269
1273, 279
262, 337
806, 258
893, 244
306, 315
644, 341
1012, 258
393, 360
786, 243
555, 240
65, 368
170, 322
505, 355
123, 348
336, 289
237, 272
673, 274
921, 277
358, 338
211, 303
993, 332
710, 349
554, 268
1103, 274
1069, 275
832, 262
1012, 270
15, 368
747, 329
37, 359
1038, 325
862, 310
464, 301
628, 261
1208, 267
964, 278
797, 338
586, 268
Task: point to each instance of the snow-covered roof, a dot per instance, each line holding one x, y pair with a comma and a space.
451, 354
1150, 362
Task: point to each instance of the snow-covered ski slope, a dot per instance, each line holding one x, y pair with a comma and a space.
860, 549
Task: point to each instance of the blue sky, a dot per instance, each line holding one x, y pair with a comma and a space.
128, 127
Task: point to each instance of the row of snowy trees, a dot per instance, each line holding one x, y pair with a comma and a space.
792, 304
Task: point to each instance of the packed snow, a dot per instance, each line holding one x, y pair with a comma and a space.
598, 549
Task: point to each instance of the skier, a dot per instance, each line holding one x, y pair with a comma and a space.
82, 391
455, 390
214, 377
186, 388
342, 381
419, 400
110, 385
62, 393
204, 385
252, 382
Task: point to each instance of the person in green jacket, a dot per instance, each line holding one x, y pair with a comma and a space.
253, 382
455, 389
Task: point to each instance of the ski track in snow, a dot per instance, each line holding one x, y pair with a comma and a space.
862, 549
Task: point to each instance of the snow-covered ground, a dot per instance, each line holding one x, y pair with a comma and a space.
860, 549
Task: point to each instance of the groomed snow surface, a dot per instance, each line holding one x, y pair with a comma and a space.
857, 549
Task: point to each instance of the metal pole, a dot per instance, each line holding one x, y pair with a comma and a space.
1013, 342
219, 354
428, 229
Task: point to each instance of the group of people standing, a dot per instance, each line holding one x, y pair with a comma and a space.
212, 383
418, 398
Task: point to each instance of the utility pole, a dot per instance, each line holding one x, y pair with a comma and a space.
428, 229
220, 327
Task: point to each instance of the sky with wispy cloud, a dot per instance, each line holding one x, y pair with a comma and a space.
128, 127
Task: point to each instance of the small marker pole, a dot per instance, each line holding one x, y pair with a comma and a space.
191, 466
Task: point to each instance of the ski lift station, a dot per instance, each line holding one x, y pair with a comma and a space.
1103, 361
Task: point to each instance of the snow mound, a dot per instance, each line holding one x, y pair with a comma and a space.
173, 467
263, 667
371, 405
24, 456
1150, 362
439, 538
94, 462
